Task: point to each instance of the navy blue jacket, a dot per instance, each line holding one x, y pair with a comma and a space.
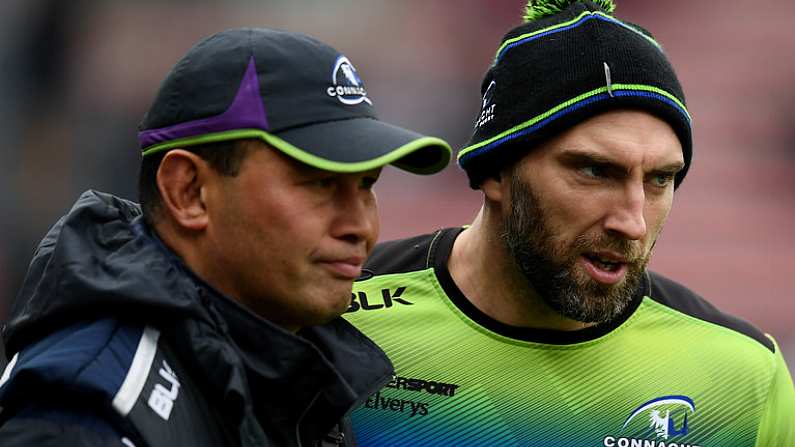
114, 342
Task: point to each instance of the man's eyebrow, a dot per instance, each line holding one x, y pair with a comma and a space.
671, 168
577, 156
584, 157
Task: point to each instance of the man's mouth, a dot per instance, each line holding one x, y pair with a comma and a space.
602, 263
605, 268
346, 268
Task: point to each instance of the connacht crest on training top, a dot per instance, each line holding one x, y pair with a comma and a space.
664, 417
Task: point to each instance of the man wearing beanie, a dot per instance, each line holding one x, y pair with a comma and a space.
539, 324
209, 315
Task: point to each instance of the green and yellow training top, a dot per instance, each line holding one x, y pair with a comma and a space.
673, 371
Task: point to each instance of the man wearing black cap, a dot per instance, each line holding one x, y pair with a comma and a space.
209, 316
539, 325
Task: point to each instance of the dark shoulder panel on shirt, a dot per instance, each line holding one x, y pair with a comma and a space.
404, 255
679, 297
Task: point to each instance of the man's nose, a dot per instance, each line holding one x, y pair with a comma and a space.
356, 217
626, 216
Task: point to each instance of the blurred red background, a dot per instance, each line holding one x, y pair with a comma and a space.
77, 76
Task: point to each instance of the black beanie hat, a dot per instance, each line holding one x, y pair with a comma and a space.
571, 60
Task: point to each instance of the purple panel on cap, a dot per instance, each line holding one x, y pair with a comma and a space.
245, 112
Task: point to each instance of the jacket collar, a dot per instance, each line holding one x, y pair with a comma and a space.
309, 380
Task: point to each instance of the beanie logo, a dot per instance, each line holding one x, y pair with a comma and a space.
346, 85
487, 108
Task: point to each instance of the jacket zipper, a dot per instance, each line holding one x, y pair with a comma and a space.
339, 437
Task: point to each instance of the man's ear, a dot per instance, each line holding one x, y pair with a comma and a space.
494, 187
180, 179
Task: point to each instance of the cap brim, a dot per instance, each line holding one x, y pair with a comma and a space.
361, 144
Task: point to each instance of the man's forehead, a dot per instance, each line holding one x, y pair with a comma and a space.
621, 136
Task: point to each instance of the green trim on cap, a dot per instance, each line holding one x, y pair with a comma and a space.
571, 22
313, 160
569, 103
201, 139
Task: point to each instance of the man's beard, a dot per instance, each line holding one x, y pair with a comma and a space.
549, 267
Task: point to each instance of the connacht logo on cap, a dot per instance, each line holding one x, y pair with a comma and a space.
346, 85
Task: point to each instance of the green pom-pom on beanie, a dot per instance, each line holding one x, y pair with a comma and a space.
537, 9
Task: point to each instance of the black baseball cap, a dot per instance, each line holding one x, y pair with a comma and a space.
296, 93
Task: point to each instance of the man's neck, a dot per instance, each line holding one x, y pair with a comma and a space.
486, 274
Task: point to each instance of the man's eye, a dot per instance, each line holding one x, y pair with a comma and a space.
593, 171
323, 182
368, 182
662, 180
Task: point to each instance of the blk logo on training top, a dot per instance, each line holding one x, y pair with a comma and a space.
389, 298
346, 85
664, 418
